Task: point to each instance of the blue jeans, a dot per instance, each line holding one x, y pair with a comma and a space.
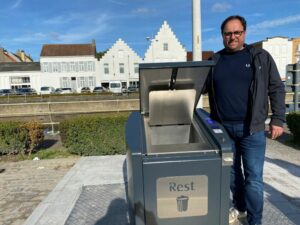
247, 171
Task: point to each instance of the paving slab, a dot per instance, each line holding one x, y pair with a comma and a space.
93, 192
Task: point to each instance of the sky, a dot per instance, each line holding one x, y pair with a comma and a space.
29, 24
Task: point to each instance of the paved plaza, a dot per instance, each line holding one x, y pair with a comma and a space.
54, 192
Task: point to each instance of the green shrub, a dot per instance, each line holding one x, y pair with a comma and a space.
94, 135
35, 133
16, 137
293, 122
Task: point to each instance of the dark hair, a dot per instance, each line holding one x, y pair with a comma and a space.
234, 17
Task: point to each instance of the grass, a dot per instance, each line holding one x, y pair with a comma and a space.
51, 153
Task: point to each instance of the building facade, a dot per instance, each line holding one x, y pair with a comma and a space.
296, 50
119, 63
281, 50
15, 75
69, 66
19, 56
165, 47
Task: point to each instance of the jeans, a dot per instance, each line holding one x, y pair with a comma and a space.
247, 171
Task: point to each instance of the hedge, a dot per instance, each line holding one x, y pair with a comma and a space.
94, 135
18, 137
293, 122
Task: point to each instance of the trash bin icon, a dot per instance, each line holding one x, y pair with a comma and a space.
182, 203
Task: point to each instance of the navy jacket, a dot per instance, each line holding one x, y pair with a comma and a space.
266, 84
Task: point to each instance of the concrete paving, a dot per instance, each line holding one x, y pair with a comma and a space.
106, 175
25, 184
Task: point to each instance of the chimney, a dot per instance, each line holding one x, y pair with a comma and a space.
22, 56
2, 59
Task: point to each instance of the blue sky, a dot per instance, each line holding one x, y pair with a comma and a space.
28, 24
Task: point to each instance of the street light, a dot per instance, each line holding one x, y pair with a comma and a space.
151, 40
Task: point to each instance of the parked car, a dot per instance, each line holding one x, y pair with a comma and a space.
66, 91
115, 87
47, 90
99, 89
63, 91
58, 91
26, 91
132, 89
5, 92
85, 90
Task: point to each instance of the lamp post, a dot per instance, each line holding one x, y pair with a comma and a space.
151, 41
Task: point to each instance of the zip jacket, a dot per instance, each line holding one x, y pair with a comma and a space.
266, 85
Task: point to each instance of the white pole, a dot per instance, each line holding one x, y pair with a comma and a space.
197, 40
197, 50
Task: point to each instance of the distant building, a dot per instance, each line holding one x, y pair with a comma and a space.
23, 56
76, 65
281, 50
120, 63
15, 75
296, 50
20, 56
205, 55
165, 47
69, 66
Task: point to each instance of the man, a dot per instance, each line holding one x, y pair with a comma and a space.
239, 87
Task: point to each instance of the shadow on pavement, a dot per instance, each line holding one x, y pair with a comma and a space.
286, 139
285, 204
290, 167
289, 206
115, 213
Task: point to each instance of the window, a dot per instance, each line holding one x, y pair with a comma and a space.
166, 47
81, 66
45, 67
136, 68
19, 80
50, 67
92, 81
56, 67
72, 67
81, 82
65, 67
90, 66
106, 68
121, 66
65, 82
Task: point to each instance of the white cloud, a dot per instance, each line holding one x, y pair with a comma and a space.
144, 10
16, 5
209, 29
61, 19
117, 2
221, 7
274, 23
82, 32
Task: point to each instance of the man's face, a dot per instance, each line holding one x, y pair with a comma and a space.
233, 35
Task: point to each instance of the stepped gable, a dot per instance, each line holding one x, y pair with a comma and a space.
120, 42
164, 31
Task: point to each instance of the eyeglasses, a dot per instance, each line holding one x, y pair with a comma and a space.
235, 33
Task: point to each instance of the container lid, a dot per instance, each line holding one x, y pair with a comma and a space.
172, 76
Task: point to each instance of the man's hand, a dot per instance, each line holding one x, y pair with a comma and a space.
275, 131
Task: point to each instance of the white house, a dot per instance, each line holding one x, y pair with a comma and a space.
165, 47
69, 65
281, 50
120, 63
19, 75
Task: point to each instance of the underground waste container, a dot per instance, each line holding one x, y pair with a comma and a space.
178, 158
